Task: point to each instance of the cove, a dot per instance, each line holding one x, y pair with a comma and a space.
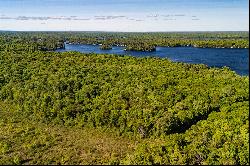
236, 59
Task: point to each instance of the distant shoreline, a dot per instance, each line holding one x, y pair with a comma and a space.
127, 31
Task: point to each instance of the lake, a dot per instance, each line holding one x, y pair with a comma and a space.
235, 59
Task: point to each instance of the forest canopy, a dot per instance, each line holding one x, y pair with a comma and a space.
47, 41
179, 113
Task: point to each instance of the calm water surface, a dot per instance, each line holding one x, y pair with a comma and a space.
235, 59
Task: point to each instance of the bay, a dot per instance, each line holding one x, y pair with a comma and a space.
236, 59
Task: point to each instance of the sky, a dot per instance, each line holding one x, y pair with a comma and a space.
124, 15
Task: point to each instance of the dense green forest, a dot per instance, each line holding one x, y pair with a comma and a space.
75, 108
105, 47
47, 41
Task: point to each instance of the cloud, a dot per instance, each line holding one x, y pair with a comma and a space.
139, 20
167, 15
81, 19
31, 18
157, 15
179, 15
107, 17
3, 17
154, 17
173, 15
21, 18
167, 19
100, 18
67, 18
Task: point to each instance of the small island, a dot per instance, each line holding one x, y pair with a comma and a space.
105, 47
141, 47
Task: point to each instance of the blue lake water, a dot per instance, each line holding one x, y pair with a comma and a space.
235, 59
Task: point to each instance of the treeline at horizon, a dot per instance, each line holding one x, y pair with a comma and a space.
49, 41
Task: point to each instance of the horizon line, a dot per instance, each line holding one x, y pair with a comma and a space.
120, 31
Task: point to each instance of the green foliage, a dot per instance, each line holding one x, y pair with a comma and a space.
147, 41
105, 47
140, 47
154, 96
24, 140
180, 113
222, 138
49, 41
